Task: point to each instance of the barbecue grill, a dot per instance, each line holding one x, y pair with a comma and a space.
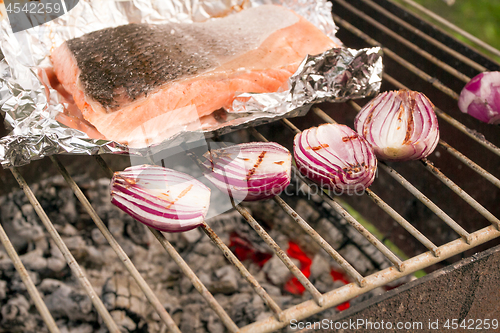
446, 204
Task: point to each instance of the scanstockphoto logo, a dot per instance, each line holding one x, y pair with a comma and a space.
25, 14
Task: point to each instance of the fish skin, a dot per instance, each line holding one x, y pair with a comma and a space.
132, 95
128, 62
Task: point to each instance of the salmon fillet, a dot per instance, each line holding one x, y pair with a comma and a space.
136, 83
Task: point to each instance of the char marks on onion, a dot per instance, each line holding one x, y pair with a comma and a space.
336, 158
400, 125
161, 198
249, 171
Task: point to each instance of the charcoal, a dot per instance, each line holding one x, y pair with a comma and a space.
18, 286
69, 210
81, 328
276, 271
67, 230
128, 246
320, 273
213, 262
98, 237
331, 234
186, 285
3, 290
15, 314
204, 248
374, 254
69, 302
124, 322
77, 247
357, 259
263, 316
55, 265
48, 286
34, 261
227, 282
138, 233
306, 211
214, 325
116, 226
55, 260
238, 310
191, 236
191, 321
122, 296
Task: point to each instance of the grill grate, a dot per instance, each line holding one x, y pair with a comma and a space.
464, 241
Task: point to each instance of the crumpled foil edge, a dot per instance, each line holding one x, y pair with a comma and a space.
334, 76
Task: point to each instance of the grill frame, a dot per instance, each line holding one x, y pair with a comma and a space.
281, 318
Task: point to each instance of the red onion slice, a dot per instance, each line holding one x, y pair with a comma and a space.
161, 198
336, 158
480, 97
249, 171
400, 125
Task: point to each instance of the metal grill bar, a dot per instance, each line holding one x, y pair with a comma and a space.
474, 166
352, 221
466, 197
407, 43
426, 77
315, 236
478, 137
461, 193
227, 321
426, 201
426, 37
234, 260
388, 209
320, 241
403, 222
30, 286
490, 217
345, 293
467, 131
73, 264
454, 27
339, 295
471, 164
243, 271
150, 295
199, 286
281, 254
275, 248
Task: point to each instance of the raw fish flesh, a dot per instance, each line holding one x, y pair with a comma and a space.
136, 83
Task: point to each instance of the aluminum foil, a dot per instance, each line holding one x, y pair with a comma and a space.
30, 107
